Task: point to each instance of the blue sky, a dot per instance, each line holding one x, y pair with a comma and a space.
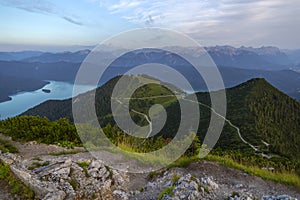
60, 24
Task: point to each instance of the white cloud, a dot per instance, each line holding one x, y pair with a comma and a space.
236, 22
123, 5
163, 13
43, 7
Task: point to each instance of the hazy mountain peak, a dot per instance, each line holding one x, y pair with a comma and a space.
264, 50
84, 52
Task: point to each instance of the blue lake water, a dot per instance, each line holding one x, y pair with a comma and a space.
23, 101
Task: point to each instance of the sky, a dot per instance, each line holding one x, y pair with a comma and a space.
70, 24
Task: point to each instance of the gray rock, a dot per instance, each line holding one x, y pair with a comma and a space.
59, 195
279, 197
193, 185
120, 194
96, 164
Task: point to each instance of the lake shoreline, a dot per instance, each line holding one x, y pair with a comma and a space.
22, 101
11, 95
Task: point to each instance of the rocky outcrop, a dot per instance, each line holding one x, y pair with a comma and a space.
191, 187
175, 185
179, 186
80, 176
68, 177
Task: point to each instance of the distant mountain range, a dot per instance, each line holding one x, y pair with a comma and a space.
17, 56
265, 58
263, 113
235, 64
72, 57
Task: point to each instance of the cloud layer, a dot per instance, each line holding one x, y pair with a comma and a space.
220, 20
211, 22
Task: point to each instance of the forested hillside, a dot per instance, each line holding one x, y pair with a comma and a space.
263, 114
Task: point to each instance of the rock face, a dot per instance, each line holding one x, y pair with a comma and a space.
95, 180
80, 176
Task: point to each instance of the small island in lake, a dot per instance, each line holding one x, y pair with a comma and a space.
46, 90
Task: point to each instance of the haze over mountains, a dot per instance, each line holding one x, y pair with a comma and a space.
265, 58
223, 55
236, 65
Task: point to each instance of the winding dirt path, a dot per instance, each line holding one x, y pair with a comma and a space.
226, 120
213, 110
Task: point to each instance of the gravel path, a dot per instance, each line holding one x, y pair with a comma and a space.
33, 149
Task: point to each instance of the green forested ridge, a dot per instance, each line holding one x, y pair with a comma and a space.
262, 113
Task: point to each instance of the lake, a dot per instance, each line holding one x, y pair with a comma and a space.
25, 100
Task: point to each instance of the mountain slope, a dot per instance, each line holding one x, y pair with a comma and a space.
263, 114
294, 55
58, 71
